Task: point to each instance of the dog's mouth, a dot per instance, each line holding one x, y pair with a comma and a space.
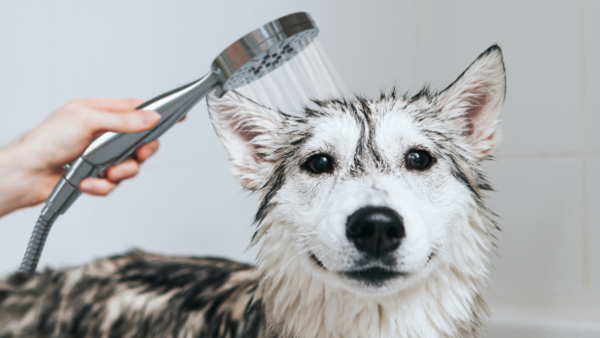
375, 276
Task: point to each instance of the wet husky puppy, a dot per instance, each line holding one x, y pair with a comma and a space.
372, 224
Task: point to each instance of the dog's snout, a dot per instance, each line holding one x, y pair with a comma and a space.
375, 230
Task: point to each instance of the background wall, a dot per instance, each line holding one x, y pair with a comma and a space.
547, 174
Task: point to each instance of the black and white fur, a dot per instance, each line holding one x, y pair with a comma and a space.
310, 280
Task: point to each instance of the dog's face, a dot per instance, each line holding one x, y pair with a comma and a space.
372, 195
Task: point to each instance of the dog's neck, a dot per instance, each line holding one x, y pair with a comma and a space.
446, 303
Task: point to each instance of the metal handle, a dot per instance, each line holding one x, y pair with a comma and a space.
110, 147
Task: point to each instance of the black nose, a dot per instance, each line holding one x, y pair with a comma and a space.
375, 230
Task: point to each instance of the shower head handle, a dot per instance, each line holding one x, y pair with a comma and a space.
110, 148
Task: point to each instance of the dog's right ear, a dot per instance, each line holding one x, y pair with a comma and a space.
248, 132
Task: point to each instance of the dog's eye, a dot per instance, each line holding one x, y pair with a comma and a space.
318, 164
418, 159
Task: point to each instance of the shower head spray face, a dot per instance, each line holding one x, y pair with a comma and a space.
264, 50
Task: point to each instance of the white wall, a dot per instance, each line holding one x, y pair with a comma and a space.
184, 201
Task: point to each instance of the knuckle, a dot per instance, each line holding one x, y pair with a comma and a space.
131, 166
135, 169
69, 108
133, 102
82, 117
88, 101
80, 103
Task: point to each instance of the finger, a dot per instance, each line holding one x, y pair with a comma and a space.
125, 122
97, 186
123, 170
115, 105
146, 151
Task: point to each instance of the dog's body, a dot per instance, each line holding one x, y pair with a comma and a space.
372, 224
135, 295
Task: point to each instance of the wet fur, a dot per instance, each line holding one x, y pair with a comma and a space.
289, 293
134, 295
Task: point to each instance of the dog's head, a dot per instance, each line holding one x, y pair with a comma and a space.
370, 195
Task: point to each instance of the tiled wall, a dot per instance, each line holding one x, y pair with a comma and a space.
547, 174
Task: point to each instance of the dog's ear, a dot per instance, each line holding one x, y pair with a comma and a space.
248, 132
475, 99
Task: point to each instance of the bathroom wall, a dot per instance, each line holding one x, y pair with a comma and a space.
547, 174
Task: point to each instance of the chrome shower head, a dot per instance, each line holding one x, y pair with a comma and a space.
264, 49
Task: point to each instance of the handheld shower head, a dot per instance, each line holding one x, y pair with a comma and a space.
250, 58
263, 50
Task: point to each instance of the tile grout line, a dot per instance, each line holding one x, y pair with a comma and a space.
586, 245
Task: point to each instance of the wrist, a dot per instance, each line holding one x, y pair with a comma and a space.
18, 188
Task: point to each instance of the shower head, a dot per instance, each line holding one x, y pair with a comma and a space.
248, 59
264, 49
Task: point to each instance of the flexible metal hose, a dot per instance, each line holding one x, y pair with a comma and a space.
36, 245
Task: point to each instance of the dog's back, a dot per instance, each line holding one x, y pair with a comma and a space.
134, 295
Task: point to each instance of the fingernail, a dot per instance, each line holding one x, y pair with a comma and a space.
86, 185
149, 117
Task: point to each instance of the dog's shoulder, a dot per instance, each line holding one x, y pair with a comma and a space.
134, 293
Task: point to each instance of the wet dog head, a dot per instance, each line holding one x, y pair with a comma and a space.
370, 195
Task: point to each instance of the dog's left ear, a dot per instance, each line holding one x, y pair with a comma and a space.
476, 98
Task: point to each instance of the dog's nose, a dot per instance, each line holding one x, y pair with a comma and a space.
375, 230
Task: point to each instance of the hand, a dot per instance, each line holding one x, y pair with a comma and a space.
31, 166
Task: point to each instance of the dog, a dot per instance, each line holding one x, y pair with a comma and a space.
372, 223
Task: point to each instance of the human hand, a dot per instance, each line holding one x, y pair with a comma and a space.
32, 165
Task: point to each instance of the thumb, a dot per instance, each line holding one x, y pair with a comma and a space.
122, 122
